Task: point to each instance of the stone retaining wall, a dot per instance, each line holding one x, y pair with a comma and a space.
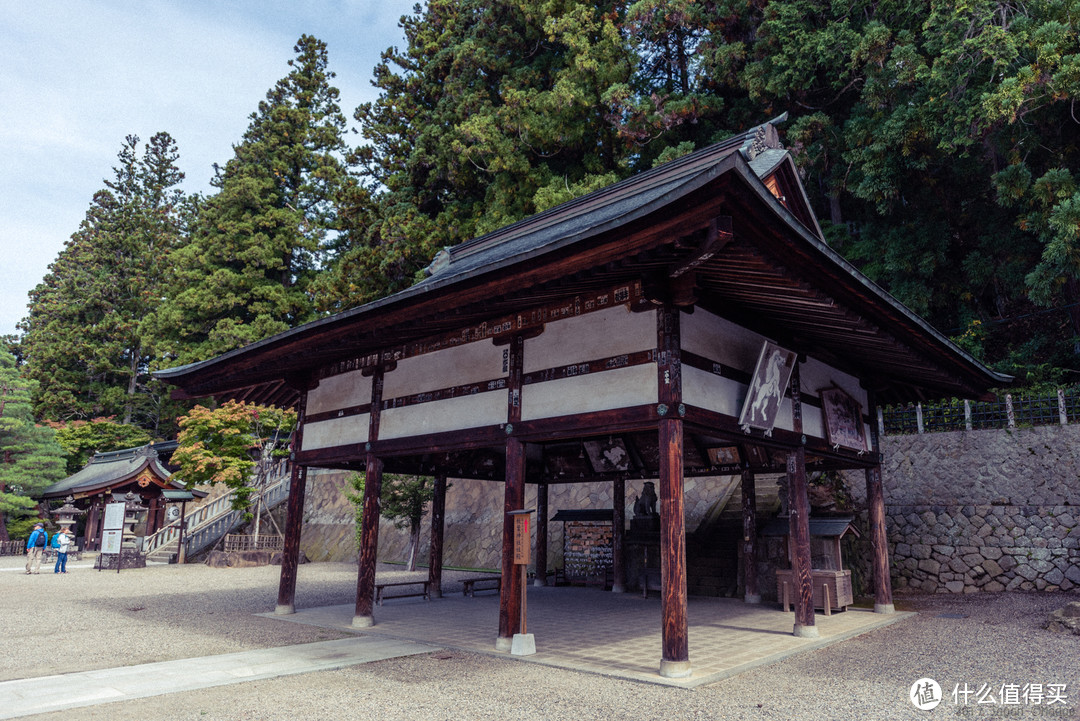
986, 510
472, 537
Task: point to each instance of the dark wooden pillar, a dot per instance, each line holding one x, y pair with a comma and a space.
618, 536
799, 523
91, 537
875, 499
541, 535
438, 523
294, 513
675, 661
511, 589
369, 525
751, 594
369, 545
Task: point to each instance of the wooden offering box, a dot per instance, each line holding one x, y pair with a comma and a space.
837, 584
832, 583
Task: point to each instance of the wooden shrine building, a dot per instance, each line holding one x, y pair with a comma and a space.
109, 476
690, 320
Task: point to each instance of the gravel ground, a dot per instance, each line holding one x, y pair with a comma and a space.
85, 620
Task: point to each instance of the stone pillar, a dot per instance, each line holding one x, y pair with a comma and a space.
438, 523
751, 594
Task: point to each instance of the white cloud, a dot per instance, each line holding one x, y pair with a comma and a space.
80, 76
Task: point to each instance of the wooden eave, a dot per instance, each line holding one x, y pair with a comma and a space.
775, 277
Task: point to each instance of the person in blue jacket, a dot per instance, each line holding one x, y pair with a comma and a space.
35, 548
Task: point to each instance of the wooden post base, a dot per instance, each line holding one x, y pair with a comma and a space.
363, 621
504, 644
752, 598
284, 609
805, 631
884, 608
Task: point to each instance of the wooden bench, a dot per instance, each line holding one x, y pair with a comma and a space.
379, 597
469, 585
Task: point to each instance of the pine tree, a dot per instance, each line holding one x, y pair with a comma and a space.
257, 243
30, 459
494, 111
83, 342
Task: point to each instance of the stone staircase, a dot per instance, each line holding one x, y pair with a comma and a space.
712, 551
208, 523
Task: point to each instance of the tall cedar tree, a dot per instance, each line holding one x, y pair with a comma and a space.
494, 111
30, 459
256, 244
83, 342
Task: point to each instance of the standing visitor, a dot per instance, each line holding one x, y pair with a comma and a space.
62, 541
35, 548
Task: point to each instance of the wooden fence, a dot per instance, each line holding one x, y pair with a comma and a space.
241, 542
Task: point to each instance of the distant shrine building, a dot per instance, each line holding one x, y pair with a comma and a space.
688, 321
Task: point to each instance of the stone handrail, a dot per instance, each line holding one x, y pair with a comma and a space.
218, 516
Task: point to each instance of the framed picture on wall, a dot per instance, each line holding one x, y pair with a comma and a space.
767, 388
843, 419
609, 455
724, 456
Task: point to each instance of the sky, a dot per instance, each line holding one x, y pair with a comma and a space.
78, 77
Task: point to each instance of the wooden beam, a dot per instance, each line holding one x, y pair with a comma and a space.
751, 593
675, 659
717, 235
369, 545
511, 589
799, 524
435, 557
618, 535
541, 565
294, 520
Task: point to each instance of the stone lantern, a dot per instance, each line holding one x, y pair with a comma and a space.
65, 516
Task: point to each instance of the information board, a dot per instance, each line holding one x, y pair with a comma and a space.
114, 517
110, 541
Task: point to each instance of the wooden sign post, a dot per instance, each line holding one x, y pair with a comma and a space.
523, 644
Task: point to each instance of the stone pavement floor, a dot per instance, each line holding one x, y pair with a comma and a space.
587, 629
25, 697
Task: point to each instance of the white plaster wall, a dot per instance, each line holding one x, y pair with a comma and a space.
452, 414
817, 376
621, 388
712, 392
460, 365
336, 432
340, 391
712, 337
592, 336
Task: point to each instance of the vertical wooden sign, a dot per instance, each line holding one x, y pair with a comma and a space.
522, 539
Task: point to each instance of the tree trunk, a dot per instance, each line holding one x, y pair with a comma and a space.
414, 543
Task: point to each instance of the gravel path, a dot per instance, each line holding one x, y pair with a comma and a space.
86, 620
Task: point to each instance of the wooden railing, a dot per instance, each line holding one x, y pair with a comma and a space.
1011, 411
209, 522
12, 548
243, 542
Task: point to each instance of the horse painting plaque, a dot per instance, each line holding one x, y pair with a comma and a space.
770, 381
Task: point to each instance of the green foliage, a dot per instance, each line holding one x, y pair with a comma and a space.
217, 445
82, 439
83, 342
403, 500
355, 493
255, 246
30, 459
